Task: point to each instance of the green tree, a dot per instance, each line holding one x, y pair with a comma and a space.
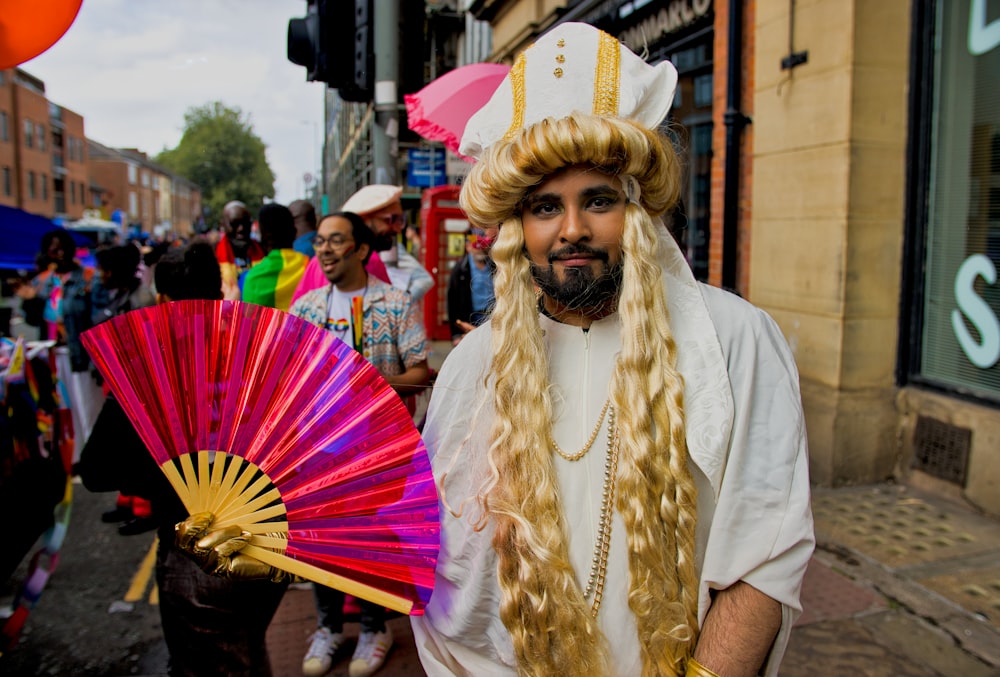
220, 152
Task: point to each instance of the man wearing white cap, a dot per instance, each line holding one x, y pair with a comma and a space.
381, 208
621, 454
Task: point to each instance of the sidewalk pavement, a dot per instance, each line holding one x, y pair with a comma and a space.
903, 583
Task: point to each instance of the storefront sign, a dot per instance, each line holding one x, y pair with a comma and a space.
679, 14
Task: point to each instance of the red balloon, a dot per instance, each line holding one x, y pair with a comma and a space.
29, 27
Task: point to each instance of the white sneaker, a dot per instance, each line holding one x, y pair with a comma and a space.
319, 658
370, 654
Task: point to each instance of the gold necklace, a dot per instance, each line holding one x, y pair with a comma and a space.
599, 563
590, 440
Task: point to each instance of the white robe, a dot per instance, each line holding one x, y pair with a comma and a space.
747, 446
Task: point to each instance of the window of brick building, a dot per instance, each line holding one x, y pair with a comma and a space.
4, 129
45, 187
40, 133
32, 188
8, 189
29, 134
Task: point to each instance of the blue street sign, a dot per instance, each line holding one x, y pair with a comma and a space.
426, 167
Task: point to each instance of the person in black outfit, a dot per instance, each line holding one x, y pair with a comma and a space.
212, 625
470, 286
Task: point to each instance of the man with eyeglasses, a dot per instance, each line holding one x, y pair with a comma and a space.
383, 324
236, 251
381, 208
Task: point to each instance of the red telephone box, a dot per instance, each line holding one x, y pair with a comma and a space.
442, 244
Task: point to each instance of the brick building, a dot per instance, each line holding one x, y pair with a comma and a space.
152, 197
43, 157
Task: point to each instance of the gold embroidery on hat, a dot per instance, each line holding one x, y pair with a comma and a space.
606, 75
558, 72
560, 58
560, 43
517, 94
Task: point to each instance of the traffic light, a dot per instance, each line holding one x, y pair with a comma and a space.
335, 42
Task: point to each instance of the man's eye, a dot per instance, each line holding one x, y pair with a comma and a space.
603, 202
544, 209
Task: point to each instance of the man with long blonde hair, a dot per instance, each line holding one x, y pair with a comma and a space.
620, 451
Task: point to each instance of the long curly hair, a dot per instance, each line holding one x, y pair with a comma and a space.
542, 603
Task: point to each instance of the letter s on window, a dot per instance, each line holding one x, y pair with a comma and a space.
985, 352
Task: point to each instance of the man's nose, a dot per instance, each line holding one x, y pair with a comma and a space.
575, 225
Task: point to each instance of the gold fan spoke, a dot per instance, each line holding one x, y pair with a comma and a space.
177, 482
218, 468
314, 573
241, 473
191, 480
204, 482
252, 515
272, 534
274, 543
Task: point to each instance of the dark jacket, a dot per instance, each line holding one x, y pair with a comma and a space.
460, 294
116, 459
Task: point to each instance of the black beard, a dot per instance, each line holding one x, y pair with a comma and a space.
384, 242
581, 288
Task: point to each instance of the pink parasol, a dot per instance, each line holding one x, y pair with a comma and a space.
440, 111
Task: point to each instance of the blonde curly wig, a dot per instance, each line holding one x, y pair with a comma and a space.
542, 603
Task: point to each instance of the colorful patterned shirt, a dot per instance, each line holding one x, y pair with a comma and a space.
393, 336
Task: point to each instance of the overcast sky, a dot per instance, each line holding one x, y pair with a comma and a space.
133, 67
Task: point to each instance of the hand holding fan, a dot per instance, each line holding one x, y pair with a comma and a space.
275, 425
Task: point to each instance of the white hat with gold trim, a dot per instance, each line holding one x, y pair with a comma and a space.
572, 68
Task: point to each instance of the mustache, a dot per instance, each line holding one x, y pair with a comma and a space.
572, 250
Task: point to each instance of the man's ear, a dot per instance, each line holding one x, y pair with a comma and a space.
364, 251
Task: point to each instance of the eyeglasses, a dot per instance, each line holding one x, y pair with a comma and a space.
335, 241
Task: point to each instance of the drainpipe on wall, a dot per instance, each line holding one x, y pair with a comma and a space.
734, 121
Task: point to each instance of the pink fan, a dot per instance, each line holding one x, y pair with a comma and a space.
275, 425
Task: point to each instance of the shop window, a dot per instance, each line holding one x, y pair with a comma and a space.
703, 91
955, 255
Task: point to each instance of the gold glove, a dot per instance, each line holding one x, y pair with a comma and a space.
696, 669
217, 552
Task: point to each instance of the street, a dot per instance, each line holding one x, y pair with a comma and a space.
870, 609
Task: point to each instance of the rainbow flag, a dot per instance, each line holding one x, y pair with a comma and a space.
272, 282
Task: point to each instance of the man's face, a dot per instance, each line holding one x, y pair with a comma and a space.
477, 245
386, 223
56, 253
337, 251
238, 223
573, 225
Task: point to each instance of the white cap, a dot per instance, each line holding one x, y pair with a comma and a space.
372, 198
572, 68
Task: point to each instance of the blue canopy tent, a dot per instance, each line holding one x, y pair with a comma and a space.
21, 234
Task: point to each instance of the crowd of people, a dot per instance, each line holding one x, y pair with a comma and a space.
619, 450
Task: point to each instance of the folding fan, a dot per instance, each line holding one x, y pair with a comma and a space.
277, 426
